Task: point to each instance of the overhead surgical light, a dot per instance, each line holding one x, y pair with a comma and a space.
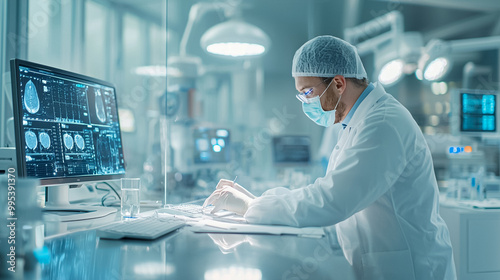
398, 58
436, 60
396, 52
232, 38
235, 49
235, 38
419, 75
391, 72
436, 69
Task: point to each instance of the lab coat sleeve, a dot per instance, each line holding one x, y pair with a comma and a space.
367, 170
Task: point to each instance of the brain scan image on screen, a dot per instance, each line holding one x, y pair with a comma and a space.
99, 106
68, 125
30, 138
80, 142
68, 141
106, 151
31, 100
44, 140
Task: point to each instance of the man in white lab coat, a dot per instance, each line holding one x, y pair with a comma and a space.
379, 190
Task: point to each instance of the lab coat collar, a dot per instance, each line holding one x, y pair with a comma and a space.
372, 98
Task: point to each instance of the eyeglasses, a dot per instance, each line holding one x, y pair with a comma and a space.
303, 96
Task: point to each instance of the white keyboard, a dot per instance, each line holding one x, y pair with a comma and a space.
141, 228
193, 211
186, 209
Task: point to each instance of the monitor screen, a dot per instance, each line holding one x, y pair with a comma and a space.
291, 149
478, 112
66, 124
211, 145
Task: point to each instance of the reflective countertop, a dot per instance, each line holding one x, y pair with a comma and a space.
186, 255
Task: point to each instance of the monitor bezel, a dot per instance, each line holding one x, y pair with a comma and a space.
19, 135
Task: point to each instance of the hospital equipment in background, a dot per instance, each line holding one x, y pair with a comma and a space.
396, 51
187, 161
292, 160
291, 150
470, 166
472, 144
212, 145
474, 235
475, 112
190, 149
437, 57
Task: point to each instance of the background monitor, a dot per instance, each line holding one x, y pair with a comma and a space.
291, 149
66, 126
475, 112
212, 145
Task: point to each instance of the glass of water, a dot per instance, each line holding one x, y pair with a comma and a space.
130, 202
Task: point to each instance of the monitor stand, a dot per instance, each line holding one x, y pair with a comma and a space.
57, 201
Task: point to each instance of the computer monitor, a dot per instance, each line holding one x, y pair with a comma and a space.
67, 132
291, 149
212, 145
475, 112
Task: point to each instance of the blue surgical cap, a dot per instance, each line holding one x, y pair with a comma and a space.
327, 56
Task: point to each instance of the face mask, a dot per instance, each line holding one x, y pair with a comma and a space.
314, 111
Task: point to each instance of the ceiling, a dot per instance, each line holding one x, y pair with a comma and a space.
289, 23
155, 10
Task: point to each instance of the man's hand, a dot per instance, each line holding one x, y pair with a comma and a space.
230, 199
223, 182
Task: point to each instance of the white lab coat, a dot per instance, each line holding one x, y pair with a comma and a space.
380, 192
329, 140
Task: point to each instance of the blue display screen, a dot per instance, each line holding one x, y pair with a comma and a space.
291, 149
478, 113
211, 145
69, 126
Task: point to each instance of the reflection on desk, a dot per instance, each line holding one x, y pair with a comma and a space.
187, 255
55, 228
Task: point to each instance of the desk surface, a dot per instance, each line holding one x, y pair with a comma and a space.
186, 255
